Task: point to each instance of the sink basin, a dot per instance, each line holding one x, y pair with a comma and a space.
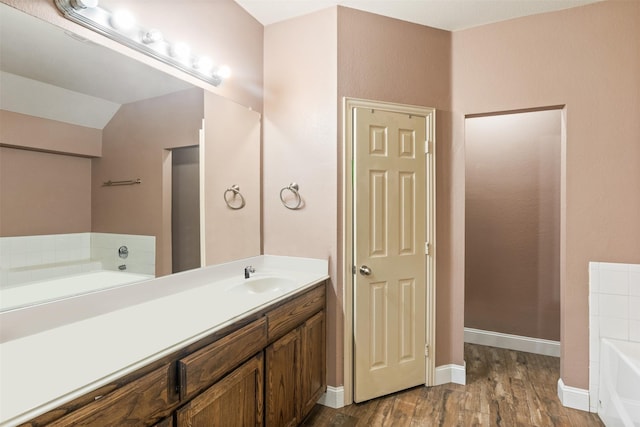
258, 285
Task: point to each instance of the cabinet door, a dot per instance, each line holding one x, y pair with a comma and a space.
312, 369
283, 381
234, 401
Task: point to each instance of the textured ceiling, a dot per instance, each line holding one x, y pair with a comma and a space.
449, 15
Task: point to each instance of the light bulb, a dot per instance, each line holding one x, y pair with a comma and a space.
122, 20
224, 72
203, 64
181, 51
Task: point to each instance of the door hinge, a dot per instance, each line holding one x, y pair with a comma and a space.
426, 350
426, 248
427, 149
353, 269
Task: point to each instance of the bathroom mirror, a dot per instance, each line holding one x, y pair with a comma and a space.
99, 151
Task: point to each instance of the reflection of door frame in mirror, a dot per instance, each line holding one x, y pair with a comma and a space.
167, 200
349, 104
185, 208
203, 222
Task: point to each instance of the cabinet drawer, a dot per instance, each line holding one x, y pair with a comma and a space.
201, 369
293, 313
234, 401
133, 404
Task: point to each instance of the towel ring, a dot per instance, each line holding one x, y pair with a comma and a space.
293, 187
236, 192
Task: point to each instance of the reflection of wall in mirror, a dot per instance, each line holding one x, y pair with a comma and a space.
43, 192
206, 25
136, 144
232, 156
55, 193
154, 126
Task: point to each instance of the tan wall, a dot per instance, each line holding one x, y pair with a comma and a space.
43, 193
512, 248
134, 145
35, 133
390, 60
302, 121
300, 145
589, 59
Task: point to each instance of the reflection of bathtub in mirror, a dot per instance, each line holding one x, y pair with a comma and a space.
30, 293
35, 269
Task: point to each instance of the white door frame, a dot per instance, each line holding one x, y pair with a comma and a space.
346, 231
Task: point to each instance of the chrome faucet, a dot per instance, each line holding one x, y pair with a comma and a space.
248, 270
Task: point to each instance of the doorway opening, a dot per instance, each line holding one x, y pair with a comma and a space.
185, 208
513, 168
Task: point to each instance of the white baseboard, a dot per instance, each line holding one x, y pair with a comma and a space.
333, 397
446, 374
572, 397
512, 342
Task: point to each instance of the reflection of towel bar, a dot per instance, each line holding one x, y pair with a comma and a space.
126, 182
235, 190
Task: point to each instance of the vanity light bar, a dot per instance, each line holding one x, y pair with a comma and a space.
121, 27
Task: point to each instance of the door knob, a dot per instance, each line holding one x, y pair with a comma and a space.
365, 271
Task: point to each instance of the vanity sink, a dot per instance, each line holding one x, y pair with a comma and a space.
258, 285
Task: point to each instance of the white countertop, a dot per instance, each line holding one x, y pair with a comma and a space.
45, 369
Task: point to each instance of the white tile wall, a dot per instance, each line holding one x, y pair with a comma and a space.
614, 278
142, 251
634, 279
29, 258
634, 330
613, 305
634, 307
614, 312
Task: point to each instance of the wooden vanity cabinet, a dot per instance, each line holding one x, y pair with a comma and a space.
266, 369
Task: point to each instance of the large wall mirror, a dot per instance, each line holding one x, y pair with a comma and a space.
112, 171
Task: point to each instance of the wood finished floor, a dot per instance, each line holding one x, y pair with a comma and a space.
504, 388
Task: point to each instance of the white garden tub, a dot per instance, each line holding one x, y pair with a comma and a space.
619, 395
65, 286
